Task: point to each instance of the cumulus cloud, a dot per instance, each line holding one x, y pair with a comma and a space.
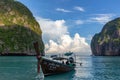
62, 10
76, 44
79, 8
101, 18
58, 40
52, 29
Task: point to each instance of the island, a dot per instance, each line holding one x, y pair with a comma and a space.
107, 42
18, 29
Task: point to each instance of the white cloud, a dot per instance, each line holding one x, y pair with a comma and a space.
58, 40
78, 22
62, 10
79, 8
52, 29
76, 44
101, 18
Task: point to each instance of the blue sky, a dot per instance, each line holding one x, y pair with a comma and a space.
79, 19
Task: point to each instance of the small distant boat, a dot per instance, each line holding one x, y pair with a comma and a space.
50, 67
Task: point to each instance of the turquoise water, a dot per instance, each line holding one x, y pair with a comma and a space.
93, 68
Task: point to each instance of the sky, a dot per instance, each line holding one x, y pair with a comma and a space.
69, 25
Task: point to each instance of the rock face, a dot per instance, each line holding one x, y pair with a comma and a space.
107, 42
18, 29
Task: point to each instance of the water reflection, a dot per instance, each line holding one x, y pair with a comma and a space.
98, 68
93, 68
83, 72
63, 76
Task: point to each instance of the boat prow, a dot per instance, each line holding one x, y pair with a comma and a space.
50, 67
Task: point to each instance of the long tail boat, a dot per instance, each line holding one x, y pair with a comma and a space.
52, 66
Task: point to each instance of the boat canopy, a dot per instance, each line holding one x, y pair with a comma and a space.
68, 53
53, 56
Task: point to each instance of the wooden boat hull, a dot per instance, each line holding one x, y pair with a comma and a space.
50, 67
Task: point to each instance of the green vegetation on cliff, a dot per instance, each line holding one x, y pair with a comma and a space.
111, 28
107, 42
13, 12
18, 28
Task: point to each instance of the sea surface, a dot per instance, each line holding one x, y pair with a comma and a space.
92, 68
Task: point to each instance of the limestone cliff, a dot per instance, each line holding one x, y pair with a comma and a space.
107, 42
18, 29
